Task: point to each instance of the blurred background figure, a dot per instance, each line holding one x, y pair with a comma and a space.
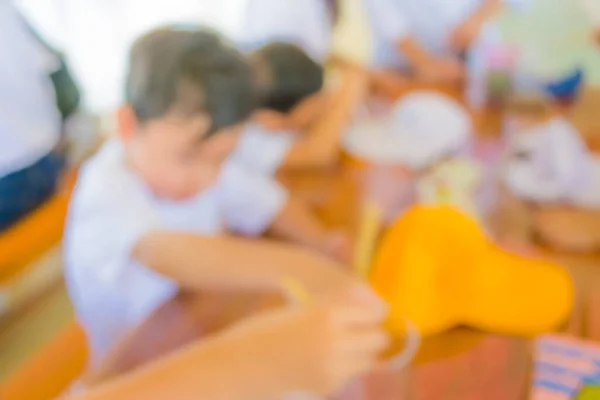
426, 38
30, 125
308, 24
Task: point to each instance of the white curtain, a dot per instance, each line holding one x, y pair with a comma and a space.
96, 34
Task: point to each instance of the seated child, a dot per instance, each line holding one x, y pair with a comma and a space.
427, 134
427, 37
30, 124
548, 163
292, 350
298, 124
151, 210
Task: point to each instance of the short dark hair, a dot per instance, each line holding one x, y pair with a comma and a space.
290, 76
189, 70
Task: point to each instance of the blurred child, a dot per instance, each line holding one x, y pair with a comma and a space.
298, 124
151, 210
310, 349
30, 124
307, 24
548, 164
426, 37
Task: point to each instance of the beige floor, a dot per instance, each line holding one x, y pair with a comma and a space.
36, 321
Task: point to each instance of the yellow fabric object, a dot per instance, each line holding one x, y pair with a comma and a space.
436, 268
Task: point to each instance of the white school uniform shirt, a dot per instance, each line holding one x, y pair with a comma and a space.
29, 120
112, 209
551, 163
305, 23
429, 22
262, 151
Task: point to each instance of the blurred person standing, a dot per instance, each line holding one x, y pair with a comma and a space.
30, 122
307, 24
426, 38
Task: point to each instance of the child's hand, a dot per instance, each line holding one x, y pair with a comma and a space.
316, 348
440, 70
465, 34
339, 246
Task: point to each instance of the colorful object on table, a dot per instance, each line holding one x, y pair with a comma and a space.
490, 64
589, 393
564, 366
453, 182
436, 268
565, 89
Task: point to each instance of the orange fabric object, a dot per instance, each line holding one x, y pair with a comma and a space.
436, 268
37, 233
49, 373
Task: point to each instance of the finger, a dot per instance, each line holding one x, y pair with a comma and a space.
366, 343
361, 294
351, 316
351, 368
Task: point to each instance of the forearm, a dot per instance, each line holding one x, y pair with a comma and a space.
487, 10
215, 369
197, 262
319, 147
298, 223
414, 52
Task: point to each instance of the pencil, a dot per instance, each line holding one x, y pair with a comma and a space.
295, 291
368, 231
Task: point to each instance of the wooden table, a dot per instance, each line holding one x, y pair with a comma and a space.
461, 364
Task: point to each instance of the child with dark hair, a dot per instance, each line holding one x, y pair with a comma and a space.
298, 124
151, 210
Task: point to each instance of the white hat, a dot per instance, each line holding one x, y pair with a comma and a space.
421, 128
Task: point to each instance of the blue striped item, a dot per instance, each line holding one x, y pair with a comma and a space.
562, 366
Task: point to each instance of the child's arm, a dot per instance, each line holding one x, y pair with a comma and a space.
319, 146
467, 32
197, 262
299, 224
428, 67
313, 349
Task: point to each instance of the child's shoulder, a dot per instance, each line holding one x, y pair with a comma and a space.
105, 175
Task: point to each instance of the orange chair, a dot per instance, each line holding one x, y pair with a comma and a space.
49, 373
36, 234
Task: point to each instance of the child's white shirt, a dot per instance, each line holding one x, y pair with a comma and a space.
429, 22
112, 209
305, 23
551, 163
30, 124
262, 151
